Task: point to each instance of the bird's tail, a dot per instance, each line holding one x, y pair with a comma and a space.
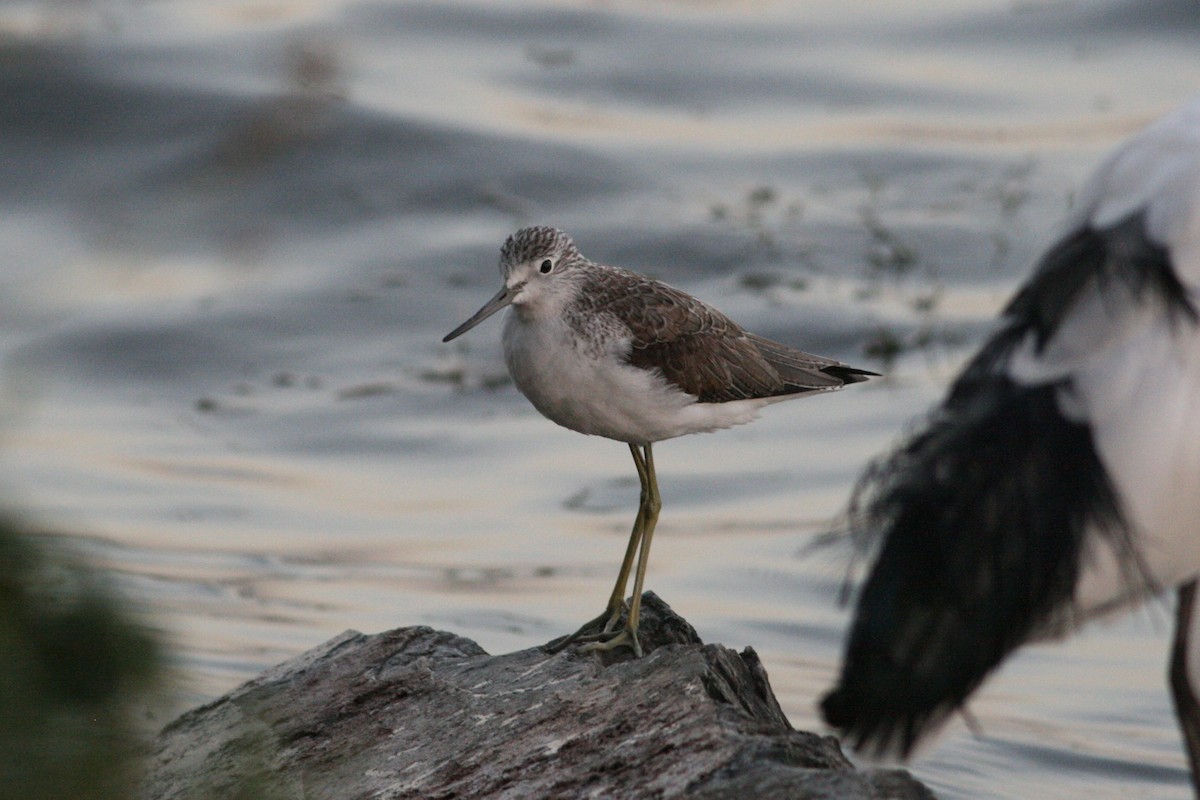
803, 372
978, 523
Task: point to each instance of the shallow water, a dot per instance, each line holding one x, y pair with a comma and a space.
234, 234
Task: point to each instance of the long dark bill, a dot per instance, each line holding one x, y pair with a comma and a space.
502, 298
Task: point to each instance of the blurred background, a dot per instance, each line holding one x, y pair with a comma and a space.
234, 233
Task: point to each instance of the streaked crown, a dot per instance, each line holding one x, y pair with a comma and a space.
542, 241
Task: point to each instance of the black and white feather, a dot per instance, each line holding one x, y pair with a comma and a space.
1060, 477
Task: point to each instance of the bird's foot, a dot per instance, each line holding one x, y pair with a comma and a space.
611, 640
588, 631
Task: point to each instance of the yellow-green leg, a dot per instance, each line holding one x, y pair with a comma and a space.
650, 506
643, 529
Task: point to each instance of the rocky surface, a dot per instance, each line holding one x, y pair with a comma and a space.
420, 713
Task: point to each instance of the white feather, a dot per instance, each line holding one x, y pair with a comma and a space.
1134, 369
599, 393
1158, 172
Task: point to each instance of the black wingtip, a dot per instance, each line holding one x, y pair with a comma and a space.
878, 725
980, 534
849, 374
835, 710
838, 710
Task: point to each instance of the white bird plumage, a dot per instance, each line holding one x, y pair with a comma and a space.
1133, 364
1088, 399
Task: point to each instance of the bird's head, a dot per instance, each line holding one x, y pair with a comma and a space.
538, 268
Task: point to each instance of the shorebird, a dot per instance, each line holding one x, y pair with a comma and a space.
1060, 477
605, 351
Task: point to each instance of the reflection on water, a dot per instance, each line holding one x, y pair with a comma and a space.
236, 232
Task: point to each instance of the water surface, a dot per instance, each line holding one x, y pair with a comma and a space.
234, 234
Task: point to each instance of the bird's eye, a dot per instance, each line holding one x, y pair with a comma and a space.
547, 265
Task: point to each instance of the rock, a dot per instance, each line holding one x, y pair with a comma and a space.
419, 713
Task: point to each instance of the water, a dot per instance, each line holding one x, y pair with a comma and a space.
234, 234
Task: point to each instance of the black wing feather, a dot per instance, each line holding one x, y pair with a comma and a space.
979, 518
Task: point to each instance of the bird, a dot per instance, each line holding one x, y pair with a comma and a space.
1059, 478
607, 352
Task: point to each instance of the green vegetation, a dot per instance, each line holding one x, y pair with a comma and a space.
74, 669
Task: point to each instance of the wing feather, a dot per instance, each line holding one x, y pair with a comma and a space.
706, 354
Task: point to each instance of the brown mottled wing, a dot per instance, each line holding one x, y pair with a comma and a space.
705, 353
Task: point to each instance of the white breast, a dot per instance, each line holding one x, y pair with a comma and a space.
590, 388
